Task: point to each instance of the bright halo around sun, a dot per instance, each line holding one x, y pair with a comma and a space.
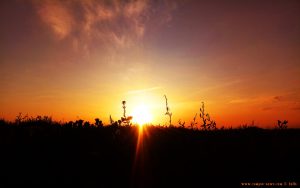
141, 115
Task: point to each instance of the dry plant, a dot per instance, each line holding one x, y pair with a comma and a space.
168, 111
125, 120
282, 124
208, 123
194, 123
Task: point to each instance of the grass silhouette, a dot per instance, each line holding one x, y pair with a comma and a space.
42, 151
38, 150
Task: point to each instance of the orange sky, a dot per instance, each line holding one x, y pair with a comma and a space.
81, 59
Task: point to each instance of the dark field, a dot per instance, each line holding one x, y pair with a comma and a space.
108, 156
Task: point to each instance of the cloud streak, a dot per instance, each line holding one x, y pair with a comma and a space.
112, 24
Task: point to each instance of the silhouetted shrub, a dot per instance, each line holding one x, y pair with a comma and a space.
181, 124
46, 120
282, 124
20, 118
70, 124
98, 123
86, 124
2, 122
79, 123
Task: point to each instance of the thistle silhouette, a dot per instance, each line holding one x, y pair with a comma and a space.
124, 108
125, 120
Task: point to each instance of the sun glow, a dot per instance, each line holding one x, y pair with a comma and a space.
141, 115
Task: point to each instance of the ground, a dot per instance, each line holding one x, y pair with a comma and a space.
155, 157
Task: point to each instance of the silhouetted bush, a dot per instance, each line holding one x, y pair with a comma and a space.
98, 123
181, 124
20, 118
86, 124
2, 122
282, 124
79, 123
70, 124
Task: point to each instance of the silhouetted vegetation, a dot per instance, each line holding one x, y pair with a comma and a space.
41, 151
125, 120
181, 124
38, 150
194, 123
282, 124
168, 111
208, 123
98, 123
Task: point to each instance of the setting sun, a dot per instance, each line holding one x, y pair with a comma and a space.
141, 115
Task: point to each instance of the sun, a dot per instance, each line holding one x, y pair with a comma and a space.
141, 115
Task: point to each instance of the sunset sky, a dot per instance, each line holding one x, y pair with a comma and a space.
80, 59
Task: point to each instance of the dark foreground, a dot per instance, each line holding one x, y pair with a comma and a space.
108, 157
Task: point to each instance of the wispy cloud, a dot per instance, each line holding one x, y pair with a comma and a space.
57, 15
115, 24
288, 97
223, 85
290, 100
253, 100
